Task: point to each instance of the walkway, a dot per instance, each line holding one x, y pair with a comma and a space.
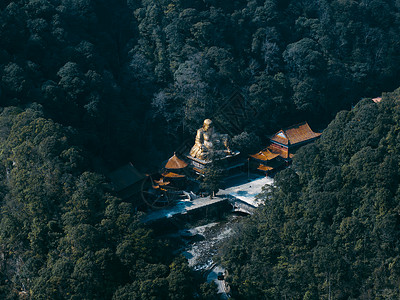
242, 187
221, 284
182, 207
246, 188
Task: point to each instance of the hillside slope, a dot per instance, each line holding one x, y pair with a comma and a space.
331, 226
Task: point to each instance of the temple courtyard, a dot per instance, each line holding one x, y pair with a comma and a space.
244, 187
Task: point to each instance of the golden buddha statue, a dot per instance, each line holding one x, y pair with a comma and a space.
207, 140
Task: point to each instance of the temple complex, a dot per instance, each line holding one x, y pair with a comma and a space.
282, 147
181, 173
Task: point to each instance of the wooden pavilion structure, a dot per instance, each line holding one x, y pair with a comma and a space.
265, 161
175, 164
175, 171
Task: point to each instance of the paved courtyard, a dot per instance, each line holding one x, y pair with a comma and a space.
243, 187
246, 187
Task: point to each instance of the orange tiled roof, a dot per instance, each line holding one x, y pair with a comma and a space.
295, 134
172, 175
175, 163
282, 152
264, 168
161, 182
158, 187
265, 155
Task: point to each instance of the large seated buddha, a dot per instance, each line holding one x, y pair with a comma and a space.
209, 141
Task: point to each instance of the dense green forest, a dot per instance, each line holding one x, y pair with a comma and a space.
88, 85
330, 227
138, 77
63, 235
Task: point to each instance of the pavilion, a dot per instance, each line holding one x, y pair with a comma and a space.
175, 170
282, 147
265, 161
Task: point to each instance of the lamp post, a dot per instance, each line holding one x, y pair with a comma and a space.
248, 169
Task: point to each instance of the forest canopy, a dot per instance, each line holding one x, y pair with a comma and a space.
329, 228
86, 86
147, 73
63, 235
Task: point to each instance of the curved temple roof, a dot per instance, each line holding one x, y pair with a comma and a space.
265, 155
172, 175
175, 163
295, 134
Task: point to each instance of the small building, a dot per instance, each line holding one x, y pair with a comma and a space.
265, 161
286, 141
175, 171
160, 184
175, 164
127, 182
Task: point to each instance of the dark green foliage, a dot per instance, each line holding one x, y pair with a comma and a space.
212, 180
208, 291
62, 235
246, 142
213, 175
330, 226
147, 73
130, 80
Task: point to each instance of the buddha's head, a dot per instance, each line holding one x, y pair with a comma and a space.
207, 124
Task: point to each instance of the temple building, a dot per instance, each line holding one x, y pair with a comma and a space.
286, 141
175, 171
128, 182
175, 164
282, 147
265, 161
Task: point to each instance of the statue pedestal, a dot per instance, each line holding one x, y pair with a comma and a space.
232, 163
